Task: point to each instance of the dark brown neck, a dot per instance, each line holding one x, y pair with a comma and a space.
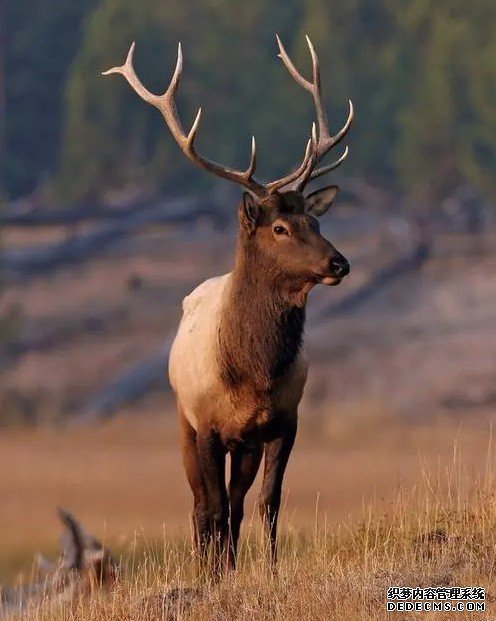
262, 322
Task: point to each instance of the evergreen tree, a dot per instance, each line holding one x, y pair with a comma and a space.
447, 121
230, 68
39, 41
422, 75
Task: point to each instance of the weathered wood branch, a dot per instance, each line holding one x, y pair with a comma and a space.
69, 216
134, 382
22, 265
49, 335
84, 565
395, 270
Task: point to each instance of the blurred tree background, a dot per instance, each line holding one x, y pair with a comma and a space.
422, 74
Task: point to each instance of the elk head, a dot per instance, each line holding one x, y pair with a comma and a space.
278, 217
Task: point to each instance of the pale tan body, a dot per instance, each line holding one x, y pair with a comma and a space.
195, 373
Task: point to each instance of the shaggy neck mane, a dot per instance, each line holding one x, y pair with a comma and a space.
262, 322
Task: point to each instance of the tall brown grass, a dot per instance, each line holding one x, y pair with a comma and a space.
435, 526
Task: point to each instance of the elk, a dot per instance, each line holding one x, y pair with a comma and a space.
237, 364
84, 566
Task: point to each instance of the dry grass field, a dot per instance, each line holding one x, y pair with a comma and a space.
392, 478
377, 504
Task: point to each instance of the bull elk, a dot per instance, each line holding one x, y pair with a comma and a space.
237, 364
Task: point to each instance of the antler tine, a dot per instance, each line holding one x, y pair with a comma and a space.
300, 181
166, 105
283, 55
305, 166
316, 148
178, 71
344, 130
317, 96
325, 141
192, 132
311, 87
325, 169
127, 70
315, 63
253, 159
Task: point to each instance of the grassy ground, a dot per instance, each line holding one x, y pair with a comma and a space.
382, 505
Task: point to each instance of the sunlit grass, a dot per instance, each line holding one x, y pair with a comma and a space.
441, 532
407, 506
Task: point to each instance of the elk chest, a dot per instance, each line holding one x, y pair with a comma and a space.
237, 415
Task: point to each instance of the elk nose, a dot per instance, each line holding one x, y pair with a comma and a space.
340, 266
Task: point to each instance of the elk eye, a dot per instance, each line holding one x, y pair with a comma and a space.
280, 230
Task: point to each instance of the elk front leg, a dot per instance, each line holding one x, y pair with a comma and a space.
212, 458
277, 452
244, 467
194, 474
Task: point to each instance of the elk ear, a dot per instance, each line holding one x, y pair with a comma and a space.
317, 203
248, 211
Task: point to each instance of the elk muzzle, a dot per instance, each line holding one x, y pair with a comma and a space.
337, 268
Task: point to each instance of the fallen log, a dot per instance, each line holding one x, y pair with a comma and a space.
48, 335
69, 216
356, 189
134, 382
22, 265
402, 266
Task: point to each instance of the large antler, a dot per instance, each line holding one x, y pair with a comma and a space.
166, 105
324, 143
